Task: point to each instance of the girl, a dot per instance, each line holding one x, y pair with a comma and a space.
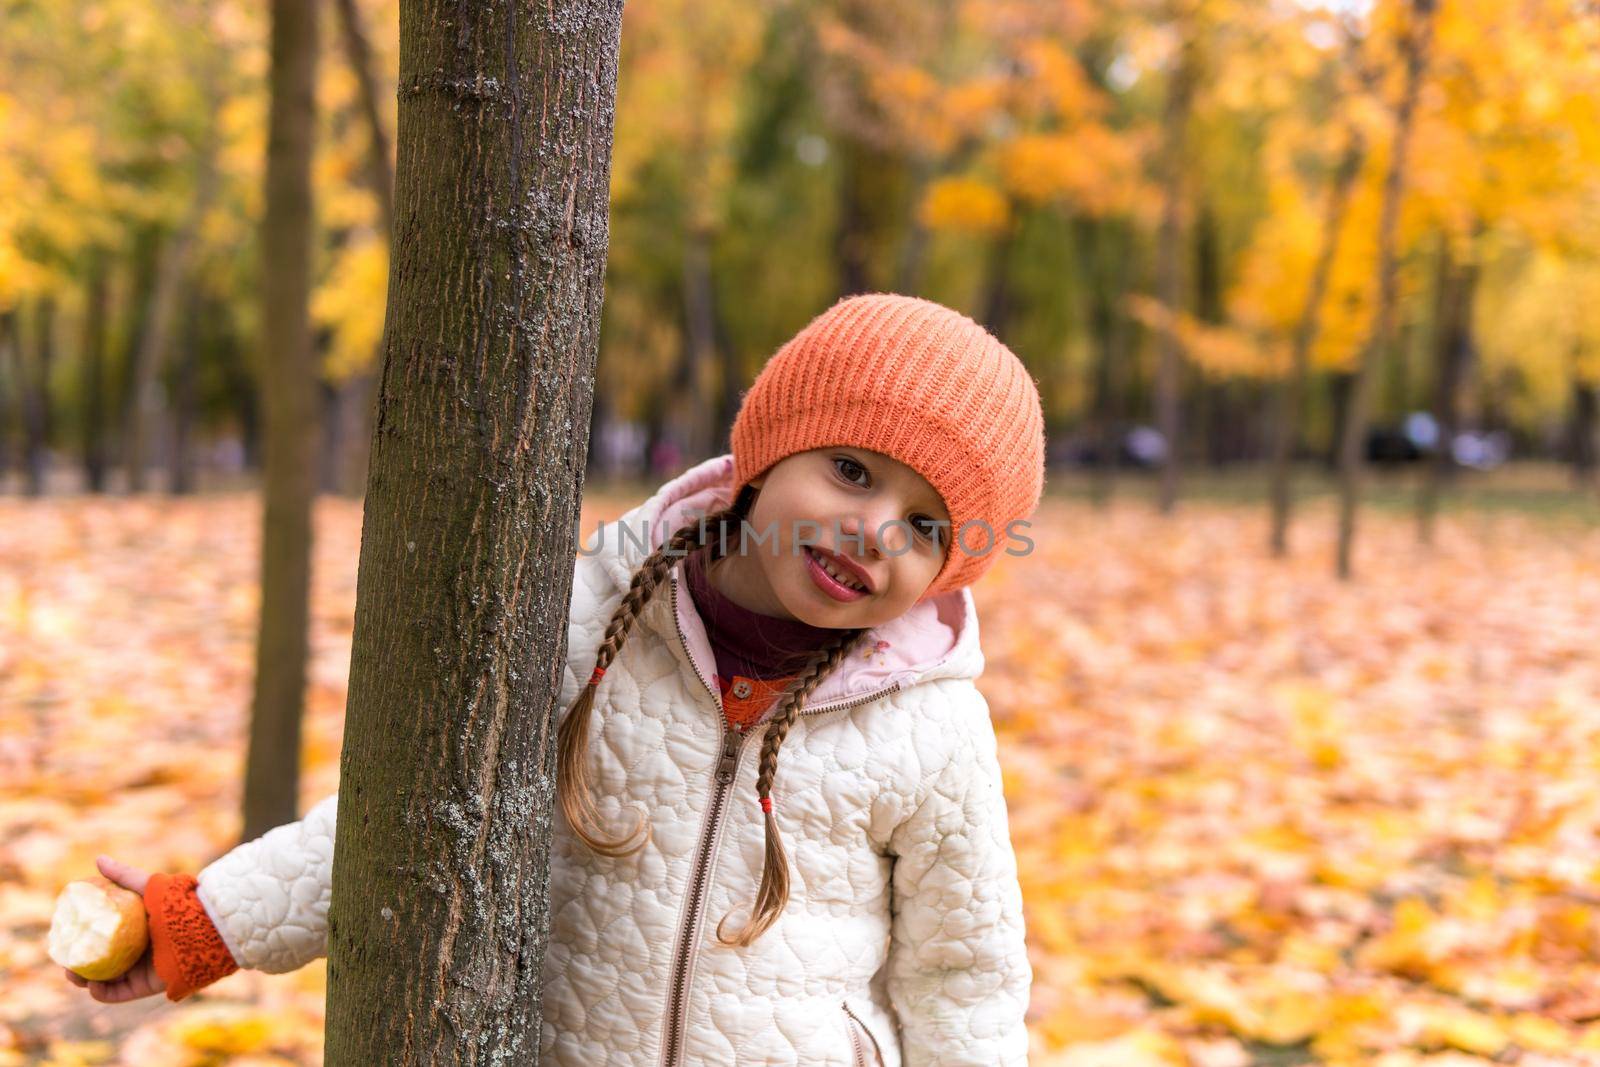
843, 891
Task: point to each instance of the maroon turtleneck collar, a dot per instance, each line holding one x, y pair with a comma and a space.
745, 642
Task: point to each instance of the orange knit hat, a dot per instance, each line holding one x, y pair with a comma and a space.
924, 384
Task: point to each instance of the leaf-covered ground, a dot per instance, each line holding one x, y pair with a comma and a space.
1262, 816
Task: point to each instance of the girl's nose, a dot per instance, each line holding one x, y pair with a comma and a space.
873, 532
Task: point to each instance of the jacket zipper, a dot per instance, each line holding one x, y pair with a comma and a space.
722, 781
856, 1031
858, 1055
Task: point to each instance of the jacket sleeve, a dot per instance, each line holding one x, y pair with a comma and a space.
958, 975
269, 897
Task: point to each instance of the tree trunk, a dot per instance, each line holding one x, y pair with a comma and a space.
243, 392
1289, 396
358, 394
1355, 423
288, 377
1103, 264
1583, 449
149, 249
358, 53
851, 243
913, 254
173, 268
183, 395
10, 385
94, 374
1452, 351
997, 299
734, 383
1169, 265
35, 387
699, 335
439, 917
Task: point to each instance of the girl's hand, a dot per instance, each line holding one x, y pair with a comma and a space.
141, 979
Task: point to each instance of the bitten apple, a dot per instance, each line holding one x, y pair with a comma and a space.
99, 929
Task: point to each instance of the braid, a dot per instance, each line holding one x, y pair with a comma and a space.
573, 787
773, 895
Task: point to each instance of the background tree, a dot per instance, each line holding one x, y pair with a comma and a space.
1415, 38
288, 375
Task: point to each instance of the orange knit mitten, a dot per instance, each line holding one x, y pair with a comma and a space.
186, 949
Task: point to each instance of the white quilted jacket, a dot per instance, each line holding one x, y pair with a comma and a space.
902, 943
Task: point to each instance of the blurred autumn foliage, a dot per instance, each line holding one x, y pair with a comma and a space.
1262, 816
1007, 157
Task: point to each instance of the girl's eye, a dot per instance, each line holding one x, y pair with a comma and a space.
852, 464
844, 465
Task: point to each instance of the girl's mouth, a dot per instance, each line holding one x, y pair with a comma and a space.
834, 587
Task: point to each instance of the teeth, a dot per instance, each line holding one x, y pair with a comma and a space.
838, 575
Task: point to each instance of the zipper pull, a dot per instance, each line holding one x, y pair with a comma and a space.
730, 755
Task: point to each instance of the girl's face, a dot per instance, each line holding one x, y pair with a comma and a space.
858, 507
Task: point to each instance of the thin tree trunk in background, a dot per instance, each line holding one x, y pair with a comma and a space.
997, 301
10, 378
1169, 266
599, 418
733, 383
289, 403
93, 431
149, 249
1105, 284
1288, 396
358, 53
440, 916
1456, 287
1583, 448
35, 382
851, 248
181, 472
360, 391
1355, 423
243, 392
1213, 415
699, 334
175, 265
911, 260
913, 255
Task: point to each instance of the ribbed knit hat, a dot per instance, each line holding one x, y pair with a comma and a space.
924, 384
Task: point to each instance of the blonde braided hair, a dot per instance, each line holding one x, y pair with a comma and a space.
573, 787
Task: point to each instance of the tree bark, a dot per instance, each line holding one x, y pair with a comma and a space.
94, 374
288, 377
1169, 265
439, 916
1452, 350
1289, 395
1355, 423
